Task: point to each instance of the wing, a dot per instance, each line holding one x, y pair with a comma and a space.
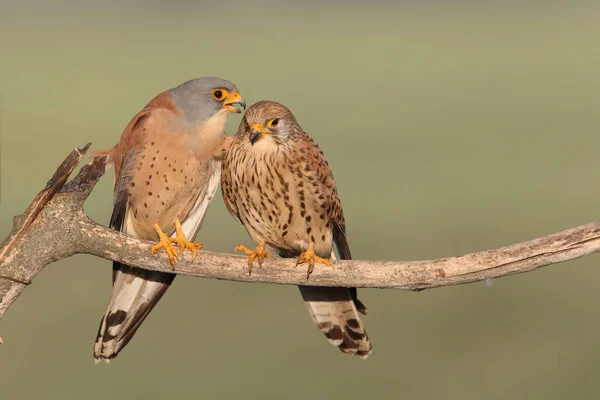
333, 310
317, 165
129, 145
191, 225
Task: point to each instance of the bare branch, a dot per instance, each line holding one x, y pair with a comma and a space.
54, 185
57, 212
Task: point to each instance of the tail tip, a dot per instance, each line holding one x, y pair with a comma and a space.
362, 354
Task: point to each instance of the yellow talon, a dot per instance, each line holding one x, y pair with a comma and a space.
310, 257
179, 239
164, 242
183, 243
258, 253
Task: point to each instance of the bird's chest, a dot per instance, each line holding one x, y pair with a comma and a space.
277, 205
167, 181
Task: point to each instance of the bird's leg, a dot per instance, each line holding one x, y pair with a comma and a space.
259, 253
164, 242
181, 241
310, 257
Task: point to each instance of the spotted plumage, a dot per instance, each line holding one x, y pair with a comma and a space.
167, 172
277, 182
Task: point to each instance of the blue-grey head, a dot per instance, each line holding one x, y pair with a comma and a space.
202, 98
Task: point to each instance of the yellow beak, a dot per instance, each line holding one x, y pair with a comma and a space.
257, 131
234, 103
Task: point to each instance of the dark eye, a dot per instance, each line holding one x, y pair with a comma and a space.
273, 123
219, 94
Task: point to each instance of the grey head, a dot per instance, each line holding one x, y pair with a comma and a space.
201, 98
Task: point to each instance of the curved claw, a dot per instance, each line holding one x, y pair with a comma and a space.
259, 254
179, 239
164, 243
310, 257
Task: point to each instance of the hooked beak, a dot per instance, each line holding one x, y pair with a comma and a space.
257, 131
234, 103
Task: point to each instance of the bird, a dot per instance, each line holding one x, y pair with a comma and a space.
277, 183
167, 170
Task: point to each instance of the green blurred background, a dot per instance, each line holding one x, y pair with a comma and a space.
451, 128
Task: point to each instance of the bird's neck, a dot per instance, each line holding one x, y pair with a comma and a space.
207, 137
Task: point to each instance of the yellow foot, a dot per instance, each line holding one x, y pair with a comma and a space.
183, 243
258, 253
164, 242
310, 257
180, 240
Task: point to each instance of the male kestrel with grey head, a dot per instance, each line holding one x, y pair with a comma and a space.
276, 182
167, 171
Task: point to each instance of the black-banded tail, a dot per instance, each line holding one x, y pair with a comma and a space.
334, 312
135, 293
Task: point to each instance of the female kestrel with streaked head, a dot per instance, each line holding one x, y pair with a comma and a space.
167, 173
276, 182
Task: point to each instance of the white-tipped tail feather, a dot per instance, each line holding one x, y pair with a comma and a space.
135, 293
334, 312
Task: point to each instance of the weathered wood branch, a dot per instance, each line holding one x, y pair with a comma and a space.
56, 216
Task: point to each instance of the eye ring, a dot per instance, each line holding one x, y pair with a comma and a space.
272, 123
220, 94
